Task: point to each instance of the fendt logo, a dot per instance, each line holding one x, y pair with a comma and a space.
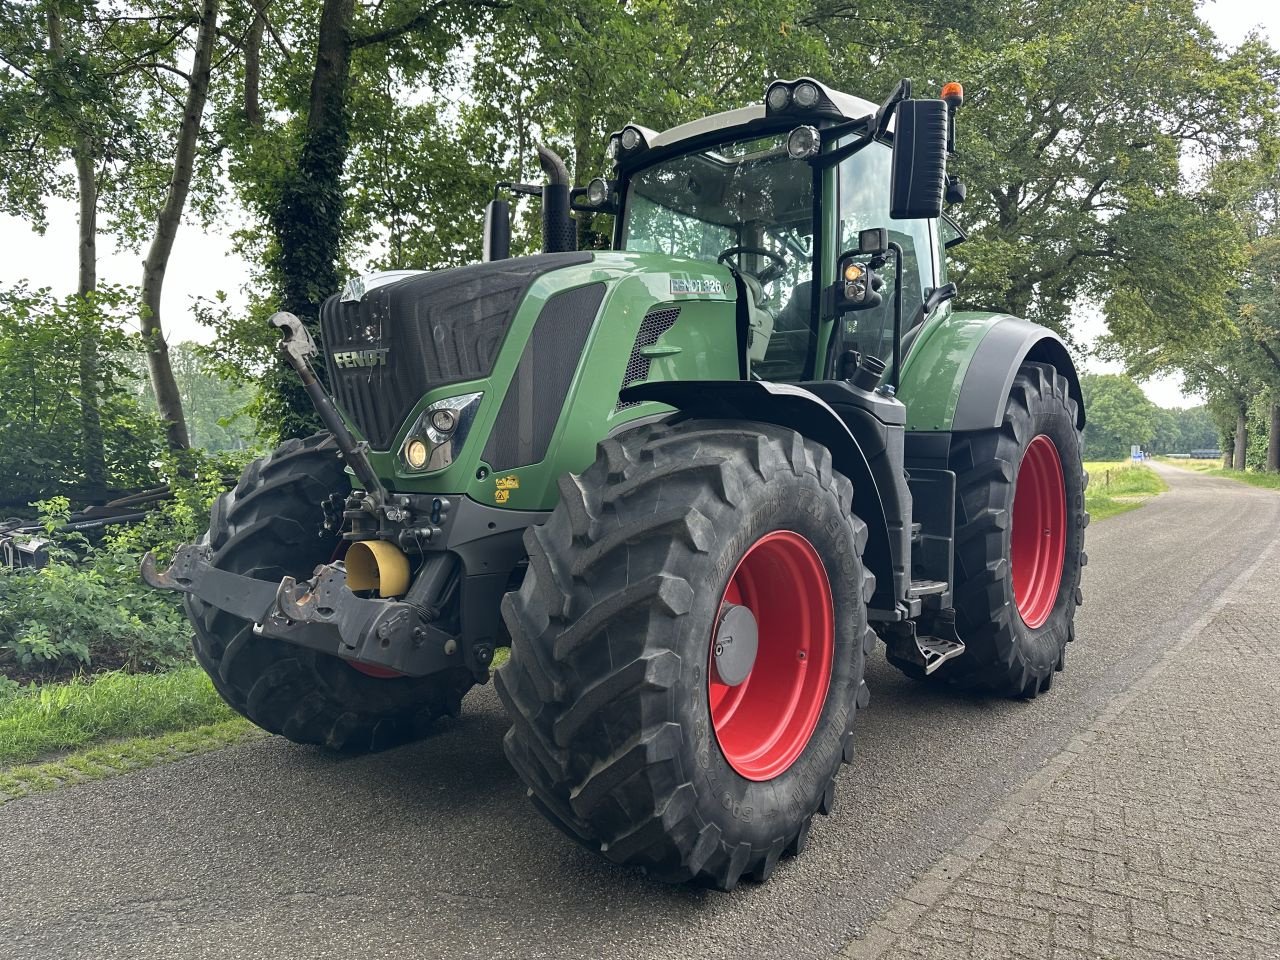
349, 359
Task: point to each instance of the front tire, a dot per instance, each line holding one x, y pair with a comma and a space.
1019, 547
270, 526
623, 728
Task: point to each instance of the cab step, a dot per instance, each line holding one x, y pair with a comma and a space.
920, 654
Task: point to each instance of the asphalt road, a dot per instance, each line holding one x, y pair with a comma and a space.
272, 850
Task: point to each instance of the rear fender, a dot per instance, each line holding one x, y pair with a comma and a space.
798, 409
958, 374
1009, 344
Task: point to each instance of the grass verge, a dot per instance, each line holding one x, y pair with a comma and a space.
38, 721
1214, 468
122, 756
1118, 486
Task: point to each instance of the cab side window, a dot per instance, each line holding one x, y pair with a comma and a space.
864, 203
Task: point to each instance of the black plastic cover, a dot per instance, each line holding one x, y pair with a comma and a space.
437, 328
531, 408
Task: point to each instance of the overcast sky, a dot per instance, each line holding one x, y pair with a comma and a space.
204, 263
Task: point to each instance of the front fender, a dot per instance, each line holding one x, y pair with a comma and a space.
794, 407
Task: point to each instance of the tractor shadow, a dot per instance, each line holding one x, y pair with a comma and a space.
450, 803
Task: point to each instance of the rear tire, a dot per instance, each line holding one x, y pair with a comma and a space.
270, 526
619, 716
1017, 565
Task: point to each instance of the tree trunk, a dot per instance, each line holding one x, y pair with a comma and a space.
168, 399
93, 459
308, 217
92, 446
253, 64
1273, 440
1242, 440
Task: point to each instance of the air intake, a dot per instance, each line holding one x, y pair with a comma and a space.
656, 322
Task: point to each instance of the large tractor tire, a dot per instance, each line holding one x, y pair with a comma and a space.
1019, 548
270, 526
626, 728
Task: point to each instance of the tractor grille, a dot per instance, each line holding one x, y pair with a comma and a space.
427, 331
654, 325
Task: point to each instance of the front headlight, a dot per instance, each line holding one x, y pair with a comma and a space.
436, 437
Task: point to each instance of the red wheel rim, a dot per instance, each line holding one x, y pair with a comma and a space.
373, 670
764, 723
1038, 538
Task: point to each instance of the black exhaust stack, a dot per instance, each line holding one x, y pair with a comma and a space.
559, 233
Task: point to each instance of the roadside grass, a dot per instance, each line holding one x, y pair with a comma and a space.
1214, 468
1118, 486
122, 756
38, 721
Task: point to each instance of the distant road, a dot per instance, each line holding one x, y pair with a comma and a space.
272, 850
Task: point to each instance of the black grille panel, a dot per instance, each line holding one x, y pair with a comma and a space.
654, 325
535, 397
437, 328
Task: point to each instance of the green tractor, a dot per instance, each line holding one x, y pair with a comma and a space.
690, 481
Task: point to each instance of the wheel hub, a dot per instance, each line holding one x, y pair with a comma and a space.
737, 641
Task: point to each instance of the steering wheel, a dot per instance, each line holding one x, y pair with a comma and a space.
770, 273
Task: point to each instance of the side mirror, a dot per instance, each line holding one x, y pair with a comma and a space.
919, 175
497, 230
873, 242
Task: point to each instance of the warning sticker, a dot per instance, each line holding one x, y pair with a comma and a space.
504, 487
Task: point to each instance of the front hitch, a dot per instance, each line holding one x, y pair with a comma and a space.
321, 613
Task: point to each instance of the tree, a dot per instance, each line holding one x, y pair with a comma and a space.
292, 172
1077, 116
42, 352
93, 83
1120, 415
154, 267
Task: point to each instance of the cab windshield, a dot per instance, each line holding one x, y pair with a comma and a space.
745, 203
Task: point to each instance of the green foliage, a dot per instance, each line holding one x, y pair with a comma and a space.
41, 436
38, 720
1182, 430
88, 608
1119, 415
217, 409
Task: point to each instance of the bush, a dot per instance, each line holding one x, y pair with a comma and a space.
88, 608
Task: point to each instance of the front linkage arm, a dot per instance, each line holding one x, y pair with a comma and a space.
321, 613
297, 347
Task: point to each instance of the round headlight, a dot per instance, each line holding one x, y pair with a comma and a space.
597, 192
630, 138
611, 150
803, 142
807, 95
444, 420
778, 97
415, 454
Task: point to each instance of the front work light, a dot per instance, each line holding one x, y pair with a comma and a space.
416, 453
597, 192
631, 138
806, 95
778, 96
803, 142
